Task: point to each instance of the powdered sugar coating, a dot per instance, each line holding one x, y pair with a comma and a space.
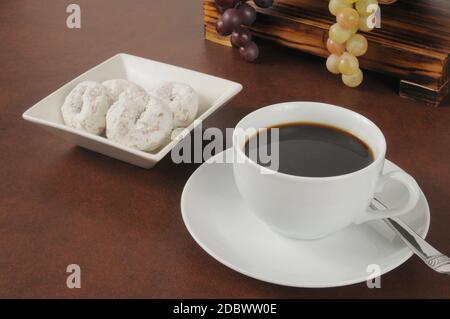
182, 100
140, 121
86, 106
116, 87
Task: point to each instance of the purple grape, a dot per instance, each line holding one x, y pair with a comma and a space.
232, 19
250, 52
220, 9
241, 37
225, 4
264, 3
248, 14
222, 28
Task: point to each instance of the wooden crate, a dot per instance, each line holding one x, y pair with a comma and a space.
413, 43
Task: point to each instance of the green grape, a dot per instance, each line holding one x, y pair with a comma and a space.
353, 80
338, 34
348, 18
335, 5
333, 63
349, 1
335, 48
357, 45
348, 64
366, 7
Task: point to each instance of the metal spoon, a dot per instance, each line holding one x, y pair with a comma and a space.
430, 255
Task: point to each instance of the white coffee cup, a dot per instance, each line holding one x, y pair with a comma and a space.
314, 207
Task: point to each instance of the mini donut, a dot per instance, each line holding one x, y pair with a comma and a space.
86, 106
139, 120
182, 100
117, 87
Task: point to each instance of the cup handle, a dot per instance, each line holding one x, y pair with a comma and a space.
414, 195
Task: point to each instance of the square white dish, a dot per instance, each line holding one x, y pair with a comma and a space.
213, 93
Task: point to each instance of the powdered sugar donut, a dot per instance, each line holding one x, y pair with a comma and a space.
182, 100
117, 87
139, 120
86, 106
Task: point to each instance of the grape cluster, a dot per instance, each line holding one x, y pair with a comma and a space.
344, 43
236, 15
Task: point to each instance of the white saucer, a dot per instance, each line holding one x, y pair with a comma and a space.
218, 220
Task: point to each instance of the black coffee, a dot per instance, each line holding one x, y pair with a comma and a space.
312, 150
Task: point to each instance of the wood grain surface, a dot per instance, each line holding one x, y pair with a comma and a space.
413, 43
60, 204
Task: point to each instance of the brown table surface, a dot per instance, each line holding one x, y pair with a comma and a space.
60, 204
